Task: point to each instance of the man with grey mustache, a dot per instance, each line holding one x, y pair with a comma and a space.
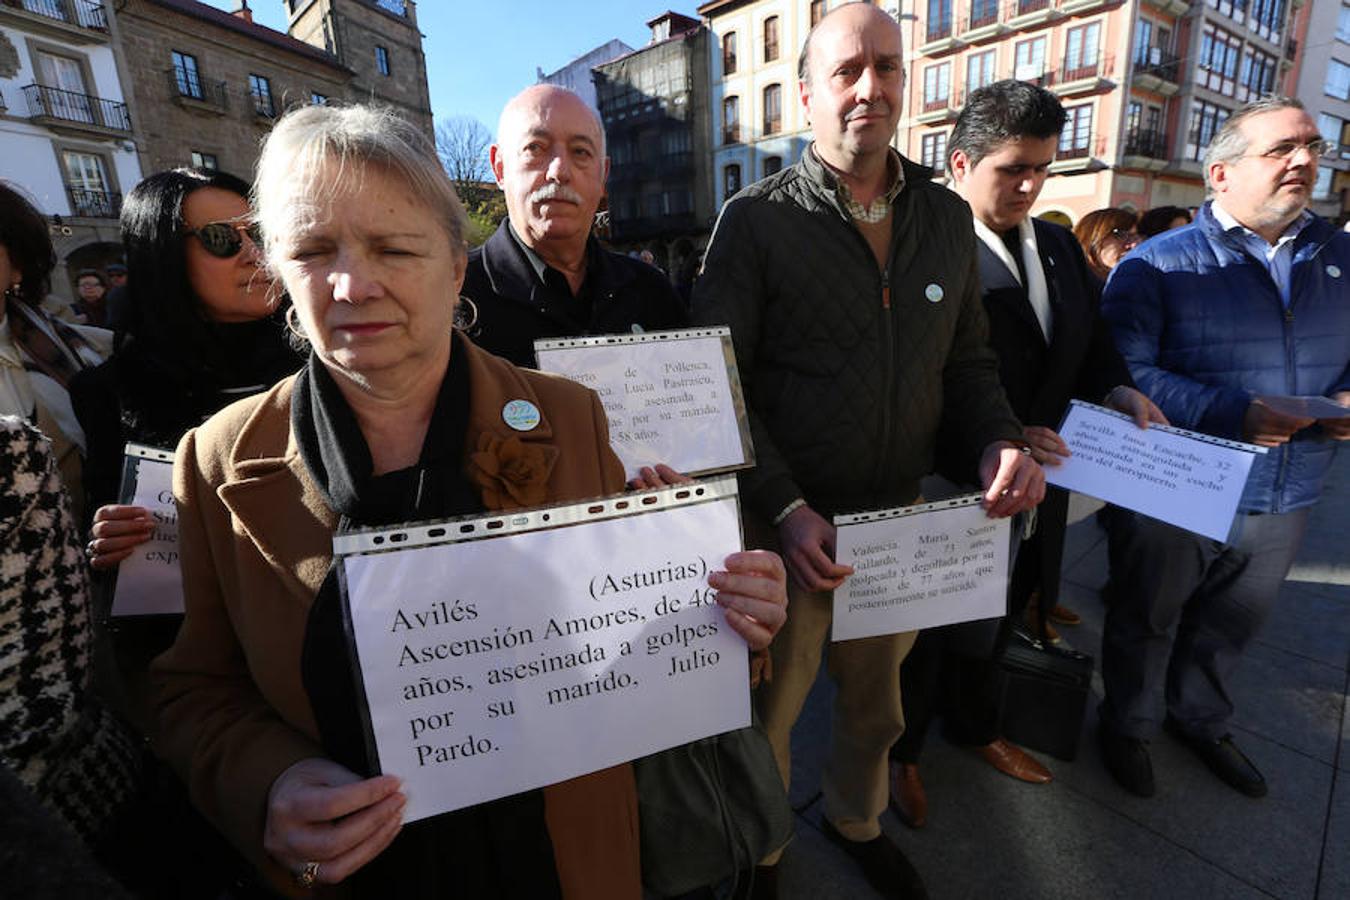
543, 274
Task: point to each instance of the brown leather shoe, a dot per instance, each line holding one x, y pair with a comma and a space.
907, 796
1015, 762
1062, 615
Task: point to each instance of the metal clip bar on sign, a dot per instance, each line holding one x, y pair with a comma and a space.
901, 511
145, 451
449, 531
1172, 429
645, 337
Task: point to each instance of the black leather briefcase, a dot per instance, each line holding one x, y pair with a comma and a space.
1045, 695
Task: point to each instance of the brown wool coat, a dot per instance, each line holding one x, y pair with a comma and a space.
256, 542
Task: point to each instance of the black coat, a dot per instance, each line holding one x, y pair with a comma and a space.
513, 308
1079, 362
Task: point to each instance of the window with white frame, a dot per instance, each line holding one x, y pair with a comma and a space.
1080, 51
980, 70
1076, 139
1029, 60
933, 151
1322, 186
1338, 80
937, 86
1206, 118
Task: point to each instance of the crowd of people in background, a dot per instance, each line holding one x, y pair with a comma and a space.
326, 354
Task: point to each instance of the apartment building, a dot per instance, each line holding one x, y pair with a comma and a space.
654, 104
1322, 74
68, 130
758, 125
1146, 83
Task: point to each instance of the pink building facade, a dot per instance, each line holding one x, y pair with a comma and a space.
1145, 83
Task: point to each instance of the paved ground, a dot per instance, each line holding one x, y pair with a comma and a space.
1082, 836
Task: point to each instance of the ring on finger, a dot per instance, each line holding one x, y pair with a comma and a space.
308, 875
90, 550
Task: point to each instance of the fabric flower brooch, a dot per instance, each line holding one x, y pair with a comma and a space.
511, 473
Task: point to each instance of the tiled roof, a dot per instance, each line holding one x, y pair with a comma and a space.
253, 30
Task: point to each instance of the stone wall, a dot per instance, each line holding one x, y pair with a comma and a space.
223, 123
353, 29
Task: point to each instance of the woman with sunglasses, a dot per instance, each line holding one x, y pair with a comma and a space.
1106, 235
202, 330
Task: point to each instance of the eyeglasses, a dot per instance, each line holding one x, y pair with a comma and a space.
226, 239
1286, 149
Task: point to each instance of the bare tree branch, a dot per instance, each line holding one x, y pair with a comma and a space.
462, 143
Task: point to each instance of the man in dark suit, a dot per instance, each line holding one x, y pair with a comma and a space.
1052, 347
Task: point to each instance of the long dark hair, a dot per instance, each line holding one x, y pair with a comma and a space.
162, 309
24, 235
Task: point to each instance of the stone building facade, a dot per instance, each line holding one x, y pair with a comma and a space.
209, 84
378, 42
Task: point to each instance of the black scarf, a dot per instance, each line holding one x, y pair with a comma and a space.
162, 392
494, 850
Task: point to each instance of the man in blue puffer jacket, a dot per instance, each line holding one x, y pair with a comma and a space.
1250, 302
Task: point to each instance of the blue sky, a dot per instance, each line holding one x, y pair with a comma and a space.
480, 54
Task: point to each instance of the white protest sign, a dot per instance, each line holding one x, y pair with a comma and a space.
506, 653
149, 581
1184, 478
920, 567
671, 397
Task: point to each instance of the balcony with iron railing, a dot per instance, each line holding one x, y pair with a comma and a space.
938, 34
94, 204
937, 109
1081, 76
1144, 148
1030, 13
1079, 152
69, 110
80, 21
188, 88
1156, 69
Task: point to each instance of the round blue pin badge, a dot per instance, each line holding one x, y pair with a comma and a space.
933, 292
522, 415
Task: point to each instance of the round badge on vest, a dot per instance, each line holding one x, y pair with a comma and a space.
933, 292
521, 415
1334, 271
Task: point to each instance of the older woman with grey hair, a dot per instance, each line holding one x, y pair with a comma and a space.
256, 700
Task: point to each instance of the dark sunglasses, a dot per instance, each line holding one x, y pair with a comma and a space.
226, 239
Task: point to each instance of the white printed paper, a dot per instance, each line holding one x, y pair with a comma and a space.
920, 567
149, 581
671, 396
503, 663
1181, 477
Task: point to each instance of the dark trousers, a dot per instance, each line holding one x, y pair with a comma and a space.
955, 671
1182, 610
936, 678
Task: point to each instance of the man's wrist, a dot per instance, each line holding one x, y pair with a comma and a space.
787, 511
1020, 445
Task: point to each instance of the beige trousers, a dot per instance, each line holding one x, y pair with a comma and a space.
867, 717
